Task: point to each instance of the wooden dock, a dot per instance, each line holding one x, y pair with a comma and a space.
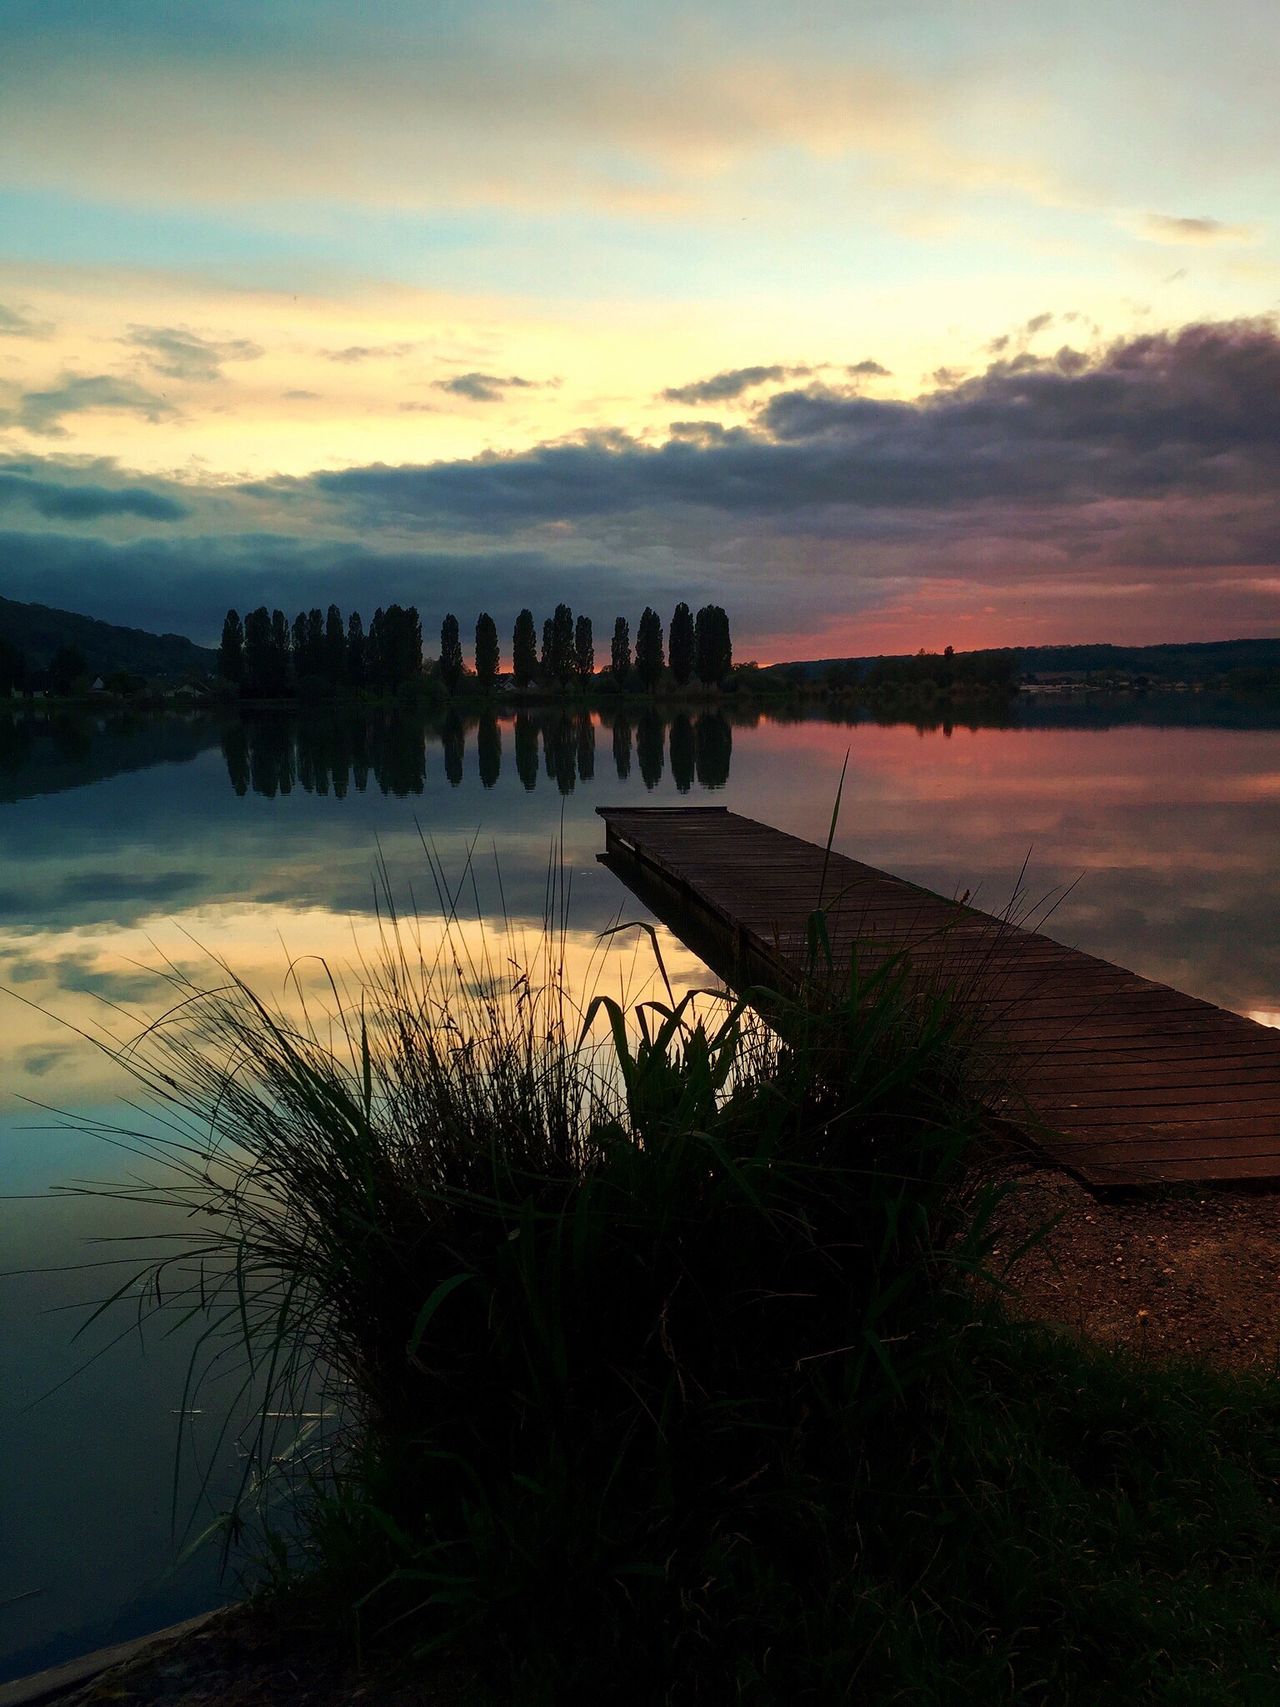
1123, 1081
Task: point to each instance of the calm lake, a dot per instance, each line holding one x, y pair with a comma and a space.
1153, 825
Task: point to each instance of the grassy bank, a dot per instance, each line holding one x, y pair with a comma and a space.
662, 1363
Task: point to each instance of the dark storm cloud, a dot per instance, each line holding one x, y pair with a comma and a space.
1191, 413
484, 387
724, 387
185, 583
180, 354
42, 411
62, 501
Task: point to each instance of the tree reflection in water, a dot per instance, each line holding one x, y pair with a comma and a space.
270, 755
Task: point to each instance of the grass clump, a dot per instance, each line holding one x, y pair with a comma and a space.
619, 1308
659, 1363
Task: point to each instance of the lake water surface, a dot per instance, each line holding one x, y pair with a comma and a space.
1155, 827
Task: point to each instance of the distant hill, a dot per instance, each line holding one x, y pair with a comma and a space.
1195, 661
38, 631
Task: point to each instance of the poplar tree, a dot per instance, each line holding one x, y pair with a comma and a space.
335, 648
257, 653
524, 650
278, 655
712, 647
680, 645
450, 653
584, 652
562, 654
357, 663
547, 660
231, 650
486, 650
649, 649
620, 651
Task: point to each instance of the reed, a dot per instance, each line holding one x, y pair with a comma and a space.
616, 1307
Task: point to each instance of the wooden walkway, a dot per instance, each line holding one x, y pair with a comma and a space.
1121, 1080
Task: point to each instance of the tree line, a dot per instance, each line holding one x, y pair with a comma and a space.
266, 656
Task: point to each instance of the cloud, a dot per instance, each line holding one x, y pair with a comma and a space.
723, 387
185, 583
1188, 414
484, 387
867, 370
180, 354
371, 352
42, 411
1170, 228
298, 396
16, 323
60, 501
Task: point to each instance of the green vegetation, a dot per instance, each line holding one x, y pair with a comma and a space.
664, 1364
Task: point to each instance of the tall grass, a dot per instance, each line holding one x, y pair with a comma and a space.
621, 1311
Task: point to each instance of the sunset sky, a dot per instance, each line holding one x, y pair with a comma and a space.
885, 325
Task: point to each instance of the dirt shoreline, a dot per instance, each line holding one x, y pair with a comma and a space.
1193, 1274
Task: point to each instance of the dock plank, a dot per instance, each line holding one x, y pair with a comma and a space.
1123, 1080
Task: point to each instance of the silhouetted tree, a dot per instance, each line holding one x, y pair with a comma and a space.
713, 748
357, 661
526, 734
315, 642
450, 653
562, 656
712, 648
649, 649
374, 664
546, 661
622, 745
401, 647
335, 648
231, 655
453, 738
278, 685
649, 733
584, 652
586, 746
524, 650
486, 650
680, 647
620, 652
489, 749
257, 657
681, 739
298, 643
